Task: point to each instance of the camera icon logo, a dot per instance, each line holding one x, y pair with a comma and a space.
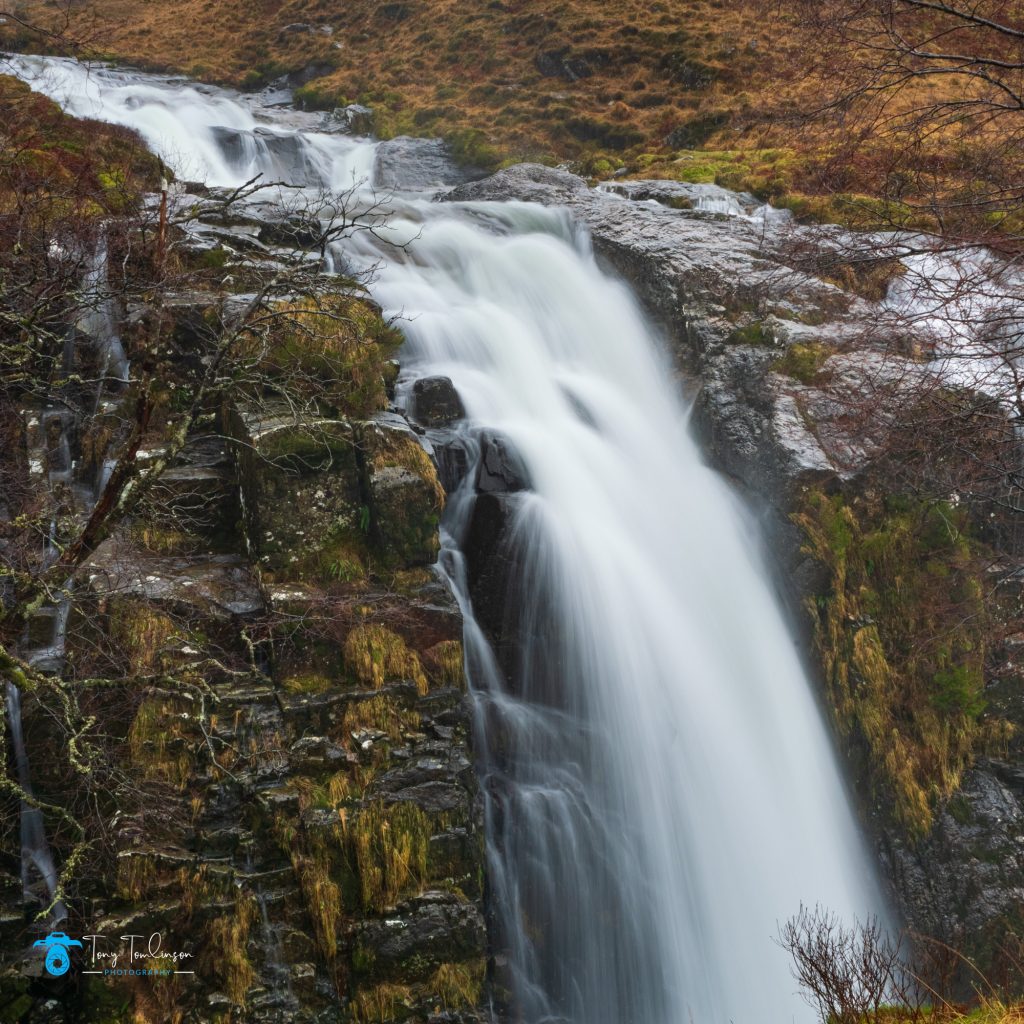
57, 944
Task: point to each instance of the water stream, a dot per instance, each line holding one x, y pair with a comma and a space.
661, 790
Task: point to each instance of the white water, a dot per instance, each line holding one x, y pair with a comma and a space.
35, 850
661, 791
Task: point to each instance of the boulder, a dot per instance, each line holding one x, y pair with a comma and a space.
435, 402
964, 882
285, 466
562, 63
404, 495
357, 119
501, 469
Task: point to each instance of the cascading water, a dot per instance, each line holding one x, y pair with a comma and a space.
661, 789
35, 850
665, 792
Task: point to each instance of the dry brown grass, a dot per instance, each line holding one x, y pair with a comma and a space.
633, 84
449, 66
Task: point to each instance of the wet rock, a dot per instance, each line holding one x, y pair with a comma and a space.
294, 231
218, 585
357, 119
687, 270
501, 469
436, 403
287, 153
436, 779
529, 182
196, 505
964, 882
189, 321
492, 573
754, 429
417, 165
284, 466
452, 455
685, 196
422, 934
315, 754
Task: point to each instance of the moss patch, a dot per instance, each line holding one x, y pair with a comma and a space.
226, 949
157, 742
333, 349
901, 634
447, 663
379, 1004
140, 632
802, 362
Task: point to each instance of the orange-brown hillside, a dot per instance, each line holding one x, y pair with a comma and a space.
572, 79
687, 89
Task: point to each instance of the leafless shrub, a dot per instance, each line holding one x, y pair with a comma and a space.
851, 973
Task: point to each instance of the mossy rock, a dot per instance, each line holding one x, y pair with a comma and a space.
303, 500
404, 495
756, 332
900, 569
802, 361
333, 350
376, 655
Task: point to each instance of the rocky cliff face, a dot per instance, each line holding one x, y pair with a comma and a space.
290, 798
771, 352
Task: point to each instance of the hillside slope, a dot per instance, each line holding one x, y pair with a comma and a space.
576, 80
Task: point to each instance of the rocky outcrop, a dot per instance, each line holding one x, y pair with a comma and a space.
277, 682
965, 880
727, 305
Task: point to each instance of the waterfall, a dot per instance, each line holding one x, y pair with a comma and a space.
99, 320
35, 850
661, 790
665, 792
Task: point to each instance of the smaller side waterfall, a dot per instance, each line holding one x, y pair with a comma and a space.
100, 319
51, 455
35, 850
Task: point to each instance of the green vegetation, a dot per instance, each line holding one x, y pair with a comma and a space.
447, 662
382, 1003
383, 714
459, 985
333, 350
901, 634
802, 362
226, 952
756, 332
157, 743
84, 168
